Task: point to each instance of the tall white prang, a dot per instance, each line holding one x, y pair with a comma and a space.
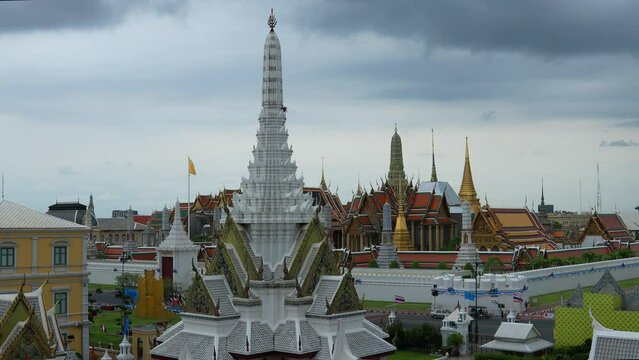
467, 251
271, 205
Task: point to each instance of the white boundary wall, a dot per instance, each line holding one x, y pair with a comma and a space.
105, 272
415, 285
549, 280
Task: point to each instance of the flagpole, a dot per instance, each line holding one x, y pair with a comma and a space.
188, 209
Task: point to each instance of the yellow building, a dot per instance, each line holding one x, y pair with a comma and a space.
35, 247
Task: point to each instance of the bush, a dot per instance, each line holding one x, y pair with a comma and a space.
127, 280
393, 265
169, 290
425, 337
414, 265
442, 266
373, 264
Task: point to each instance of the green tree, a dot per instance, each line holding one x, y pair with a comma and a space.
493, 263
396, 335
127, 280
393, 265
589, 257
455, 340
373, 264
414, 265
453, 245
469, 267
442, 266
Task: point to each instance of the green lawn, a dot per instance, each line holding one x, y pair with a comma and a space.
102, 286
108, 318
555, 298
387, 305
410, 355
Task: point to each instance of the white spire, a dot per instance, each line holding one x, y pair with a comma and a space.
125, 350
106, 355
177, 237
272, 200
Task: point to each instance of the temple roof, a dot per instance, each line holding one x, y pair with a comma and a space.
516, 226
519, 338
441, 187
118, 224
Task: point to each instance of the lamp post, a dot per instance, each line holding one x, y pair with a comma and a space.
479, 269
123, 260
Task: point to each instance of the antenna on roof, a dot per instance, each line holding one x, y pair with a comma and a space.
580, 194
598, 191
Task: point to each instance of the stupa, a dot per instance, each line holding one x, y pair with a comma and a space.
273, 289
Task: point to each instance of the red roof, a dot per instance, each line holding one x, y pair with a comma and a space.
141, 219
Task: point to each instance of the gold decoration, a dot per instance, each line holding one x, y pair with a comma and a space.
150, 296
401, 238
467, 190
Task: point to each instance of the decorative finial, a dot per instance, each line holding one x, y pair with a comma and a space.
433, 174
272, 21
395, 128
322, 180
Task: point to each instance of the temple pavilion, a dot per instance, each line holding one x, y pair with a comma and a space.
273, 289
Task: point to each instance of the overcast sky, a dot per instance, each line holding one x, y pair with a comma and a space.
110, 96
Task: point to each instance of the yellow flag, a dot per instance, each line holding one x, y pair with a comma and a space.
191, 167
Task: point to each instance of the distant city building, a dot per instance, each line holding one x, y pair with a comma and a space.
73, 211
115, 214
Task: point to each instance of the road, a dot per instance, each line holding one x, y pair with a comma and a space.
486, 326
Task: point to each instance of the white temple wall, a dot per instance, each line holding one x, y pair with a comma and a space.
105, 272
415, 285
549, 280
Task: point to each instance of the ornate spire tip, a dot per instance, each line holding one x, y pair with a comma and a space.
272, 21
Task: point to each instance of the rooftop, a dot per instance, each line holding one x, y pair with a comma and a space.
14, 216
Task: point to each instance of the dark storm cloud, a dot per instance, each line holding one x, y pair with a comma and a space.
16, 16
547, 28
618, 143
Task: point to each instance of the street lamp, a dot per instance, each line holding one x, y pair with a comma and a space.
123, 260
479, 270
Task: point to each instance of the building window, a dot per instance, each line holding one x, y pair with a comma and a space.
60, 299
7, 257
59, 255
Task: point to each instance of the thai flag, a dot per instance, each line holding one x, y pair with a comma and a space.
517, 298
399, 299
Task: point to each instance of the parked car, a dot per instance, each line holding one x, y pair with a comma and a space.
439, 313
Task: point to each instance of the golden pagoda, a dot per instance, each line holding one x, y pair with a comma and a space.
401, 238
467, 190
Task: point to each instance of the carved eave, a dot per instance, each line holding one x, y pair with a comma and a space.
324, 263
21, 312
198, 299
221, 264
231, 235
345, 298
314, 234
